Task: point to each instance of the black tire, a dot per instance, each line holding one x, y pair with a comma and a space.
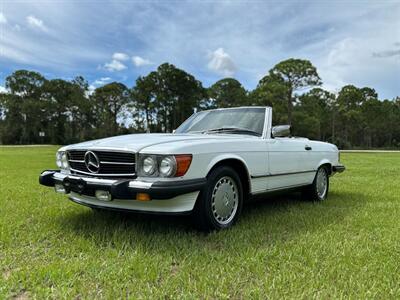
311, 192
204, 214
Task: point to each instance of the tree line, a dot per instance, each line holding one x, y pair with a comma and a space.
38, 110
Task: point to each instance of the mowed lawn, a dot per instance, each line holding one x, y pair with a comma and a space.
283, 247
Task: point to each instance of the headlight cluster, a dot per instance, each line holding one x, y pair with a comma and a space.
163, 165
62, 160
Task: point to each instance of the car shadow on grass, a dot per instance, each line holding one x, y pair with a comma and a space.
292, 214
265, 220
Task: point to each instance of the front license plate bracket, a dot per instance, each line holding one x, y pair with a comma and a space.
74, 185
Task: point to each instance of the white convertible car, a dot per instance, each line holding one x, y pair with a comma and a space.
212, 164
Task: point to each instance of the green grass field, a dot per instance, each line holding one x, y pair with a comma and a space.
346, 247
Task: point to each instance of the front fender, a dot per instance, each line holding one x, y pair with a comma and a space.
226, 156
324, 161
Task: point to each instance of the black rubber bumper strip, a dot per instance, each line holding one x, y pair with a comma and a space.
46, 177
159, 190
339, 168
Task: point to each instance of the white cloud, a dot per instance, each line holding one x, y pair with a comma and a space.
221, 63
3, 89
3, 19
67, 46
36, 23
120, 56
115, 65
140, 61
101, 81
90, 90
359, 61
386, 53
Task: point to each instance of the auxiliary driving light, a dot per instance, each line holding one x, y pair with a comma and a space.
59, 188
103, 195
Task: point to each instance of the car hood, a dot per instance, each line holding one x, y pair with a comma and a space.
136, 142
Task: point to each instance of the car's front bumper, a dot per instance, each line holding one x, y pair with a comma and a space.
164, 196
338, 169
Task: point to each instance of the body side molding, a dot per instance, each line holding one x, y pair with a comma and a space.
281, 174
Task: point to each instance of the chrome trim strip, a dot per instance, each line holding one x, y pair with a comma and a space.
281, 174
116, 163
104, 149
103, 162
61, 176
133, 183
140, 184
279, 188
103, 175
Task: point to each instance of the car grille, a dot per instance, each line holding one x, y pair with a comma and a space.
112, 163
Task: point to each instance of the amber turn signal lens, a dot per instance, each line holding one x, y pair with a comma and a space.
143, 197
182, 164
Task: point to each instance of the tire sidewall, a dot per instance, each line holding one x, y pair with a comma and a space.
315, 190
206, 194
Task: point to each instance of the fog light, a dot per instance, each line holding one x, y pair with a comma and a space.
59, 188
142, 197
103, 195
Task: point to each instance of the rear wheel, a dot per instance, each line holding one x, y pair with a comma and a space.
220, 202
318, 190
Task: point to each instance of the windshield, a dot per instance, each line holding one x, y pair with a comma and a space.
233, 120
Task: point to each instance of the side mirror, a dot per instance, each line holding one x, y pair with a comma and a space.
281, 131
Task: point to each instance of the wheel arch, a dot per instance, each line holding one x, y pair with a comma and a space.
326, 163
239, 165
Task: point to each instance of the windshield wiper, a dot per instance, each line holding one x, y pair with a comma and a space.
231, 130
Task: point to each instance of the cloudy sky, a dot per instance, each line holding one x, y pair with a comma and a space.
350, 42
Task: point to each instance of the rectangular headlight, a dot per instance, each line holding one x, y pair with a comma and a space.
150, 165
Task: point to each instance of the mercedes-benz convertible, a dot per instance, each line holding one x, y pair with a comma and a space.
209, 167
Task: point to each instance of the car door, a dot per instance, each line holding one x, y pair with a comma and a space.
287, 163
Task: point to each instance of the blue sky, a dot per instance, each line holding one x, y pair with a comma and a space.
350, 42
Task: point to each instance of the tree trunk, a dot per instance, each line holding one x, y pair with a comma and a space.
147, 121
290, 107
333, 126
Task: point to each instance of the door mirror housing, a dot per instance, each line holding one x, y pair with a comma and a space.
281, 131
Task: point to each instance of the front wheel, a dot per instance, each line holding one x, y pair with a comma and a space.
220, 203
318, 190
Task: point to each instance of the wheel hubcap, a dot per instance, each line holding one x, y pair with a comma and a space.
322, 183
224, 200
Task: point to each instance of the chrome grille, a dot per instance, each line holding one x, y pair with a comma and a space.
112, 163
